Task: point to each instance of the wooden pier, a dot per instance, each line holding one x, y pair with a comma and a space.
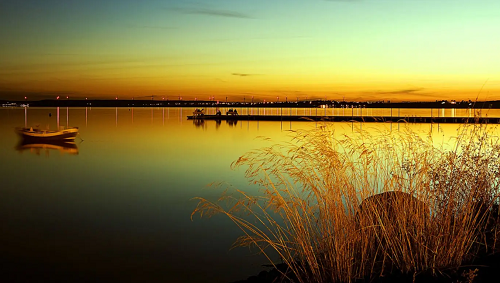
367, 119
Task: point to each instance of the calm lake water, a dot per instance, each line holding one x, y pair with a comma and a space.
117, 207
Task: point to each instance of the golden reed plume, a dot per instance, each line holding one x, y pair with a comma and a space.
337, 208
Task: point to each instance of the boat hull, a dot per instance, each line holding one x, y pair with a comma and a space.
30, 135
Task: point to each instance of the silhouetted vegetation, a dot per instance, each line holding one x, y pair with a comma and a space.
363, 206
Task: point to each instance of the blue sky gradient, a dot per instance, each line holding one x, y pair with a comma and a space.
359, 49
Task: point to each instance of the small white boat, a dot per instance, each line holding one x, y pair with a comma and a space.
31, 134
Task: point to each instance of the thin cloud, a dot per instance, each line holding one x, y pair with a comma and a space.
151, 27
219, 80
243, 74
405, 94
402, 91
214, 13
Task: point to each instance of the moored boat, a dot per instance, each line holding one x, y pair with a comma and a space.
35, 134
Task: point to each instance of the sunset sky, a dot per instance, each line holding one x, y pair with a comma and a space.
292, 49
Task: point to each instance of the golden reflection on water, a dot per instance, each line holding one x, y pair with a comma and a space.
99, 119
168, 126
46, 147
136, 172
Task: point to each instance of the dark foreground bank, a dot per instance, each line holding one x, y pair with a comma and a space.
484, 269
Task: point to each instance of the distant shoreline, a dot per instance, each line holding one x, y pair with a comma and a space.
277, 104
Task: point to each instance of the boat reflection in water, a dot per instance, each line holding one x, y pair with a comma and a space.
38, 147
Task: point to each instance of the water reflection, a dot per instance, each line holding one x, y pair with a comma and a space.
133, 208
179, 115
199, 123
232, 123
45, 147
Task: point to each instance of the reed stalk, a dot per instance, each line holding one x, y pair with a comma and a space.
342, 208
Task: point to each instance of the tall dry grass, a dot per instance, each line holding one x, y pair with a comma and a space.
340, 208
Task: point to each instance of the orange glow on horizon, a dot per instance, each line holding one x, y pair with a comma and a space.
293, 88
